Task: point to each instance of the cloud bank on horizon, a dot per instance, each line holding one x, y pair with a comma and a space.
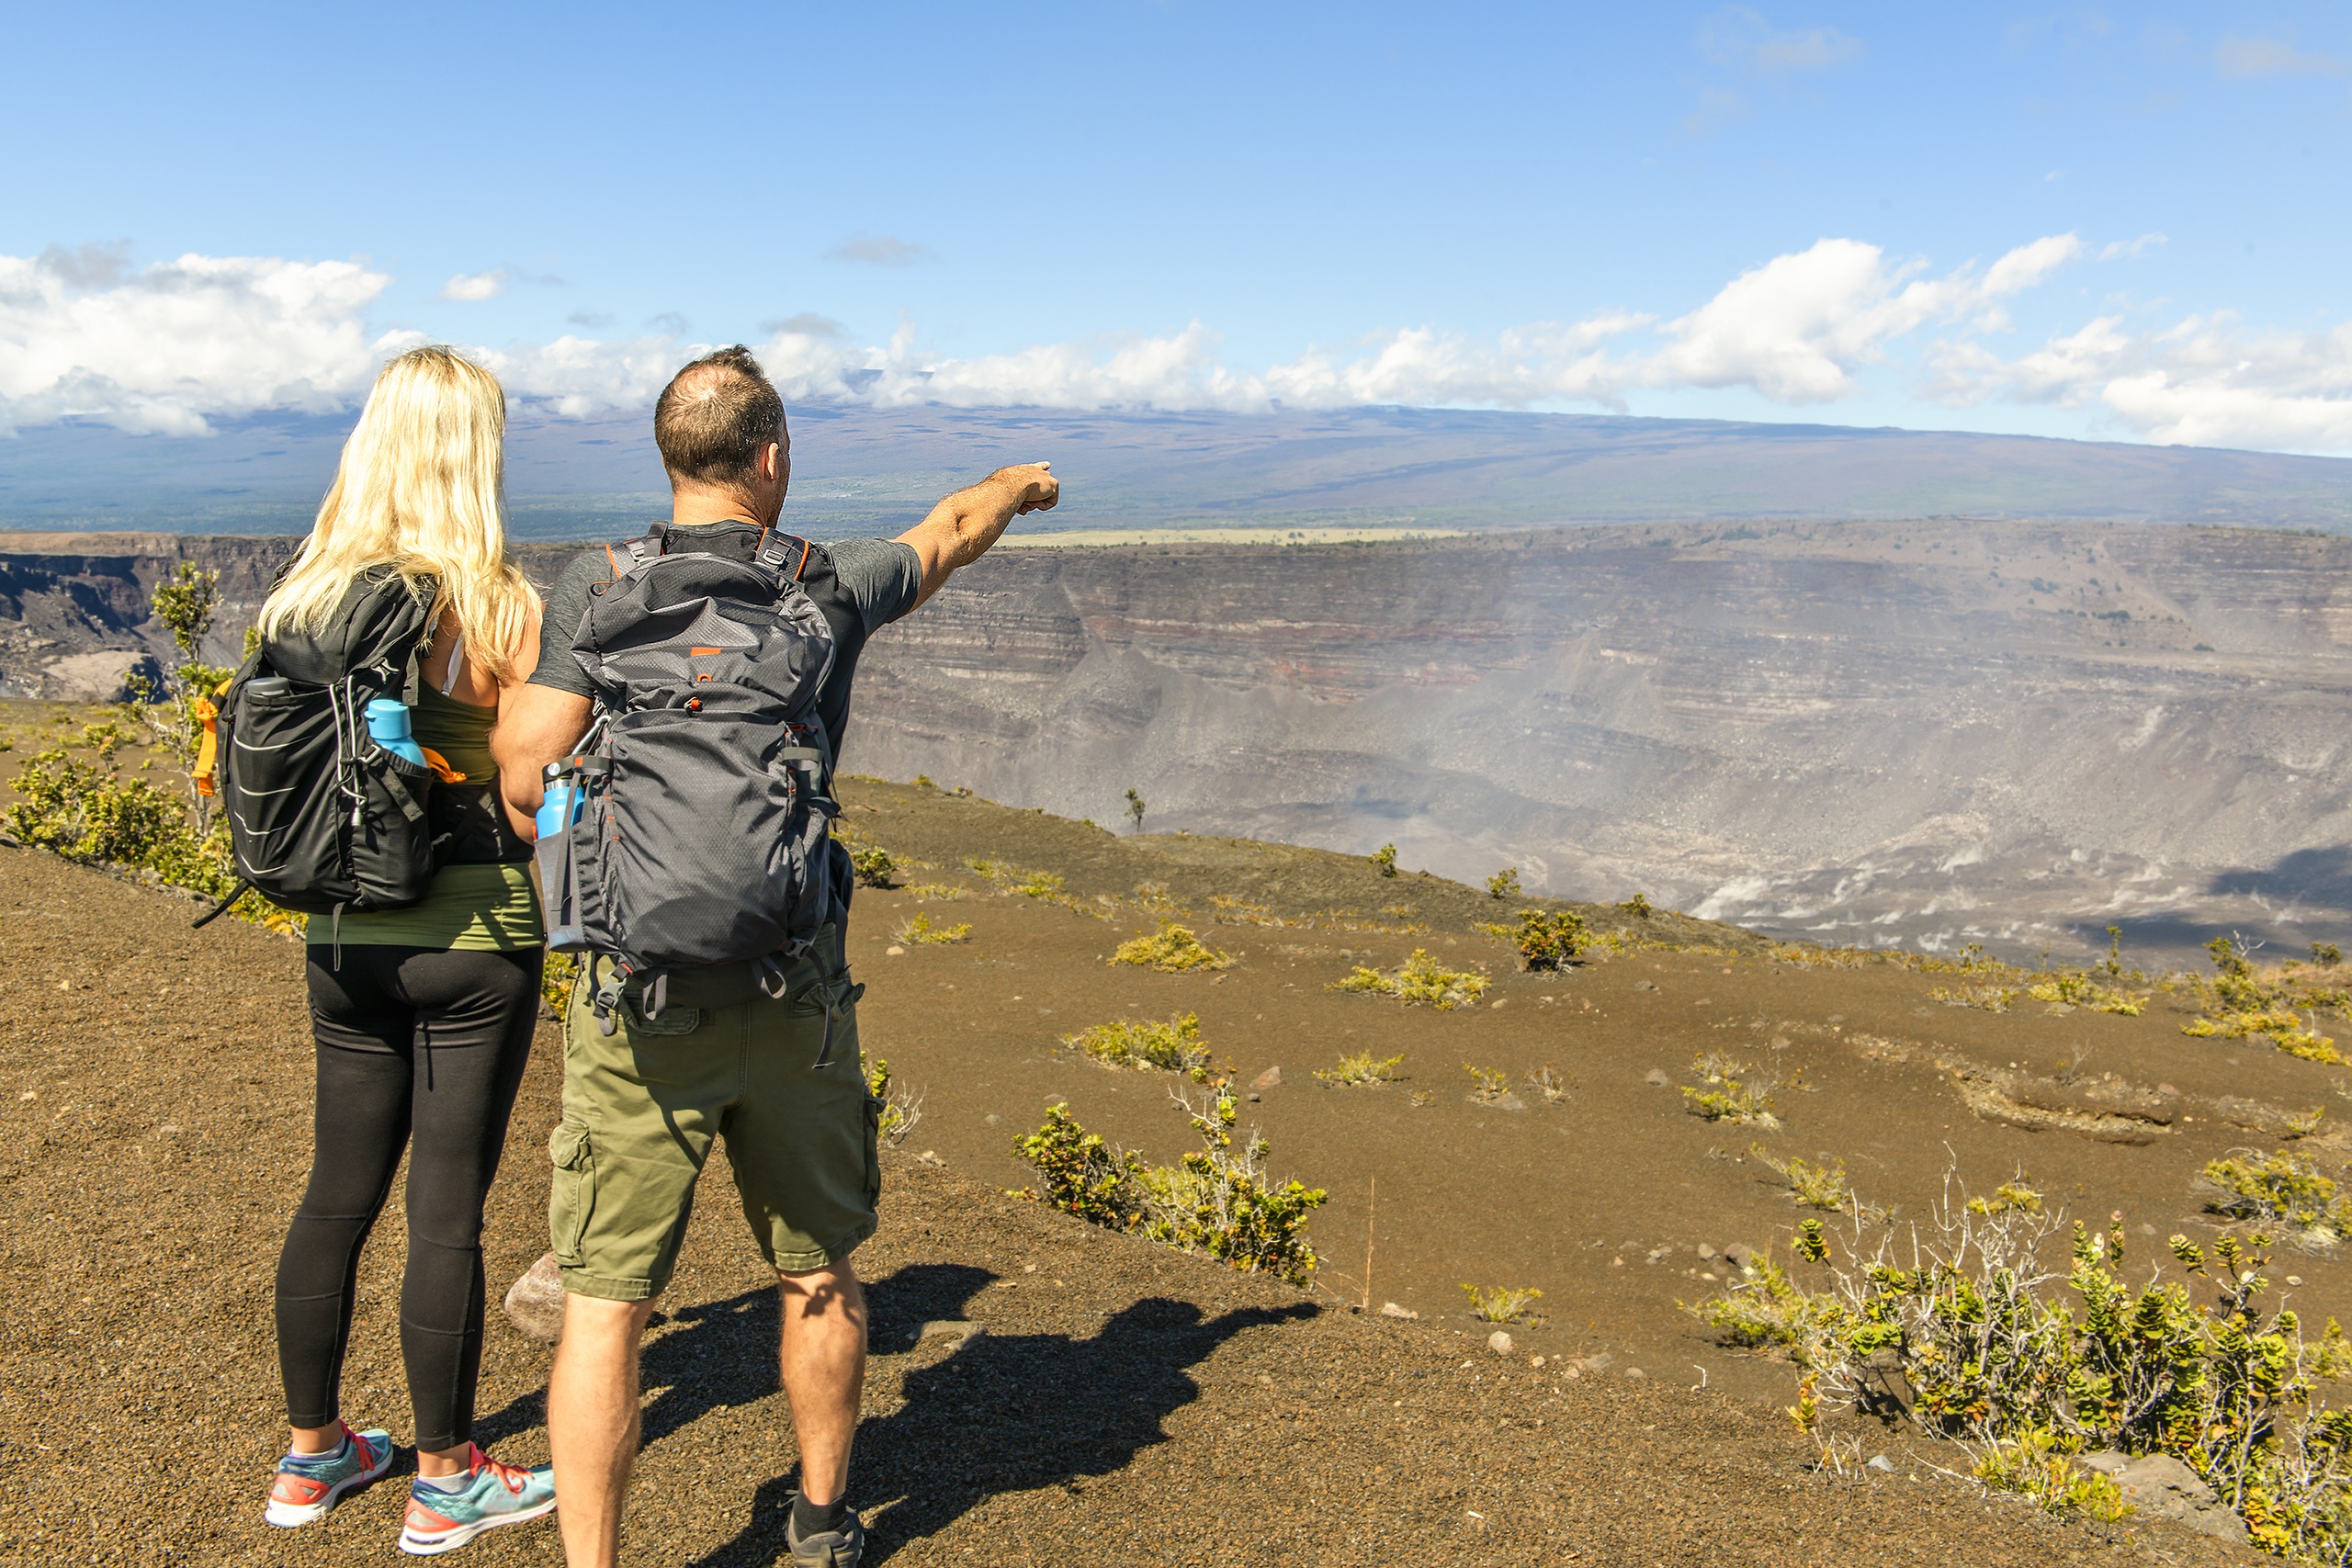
169, 347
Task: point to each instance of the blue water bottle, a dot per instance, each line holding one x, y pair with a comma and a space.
387, 727
559, 806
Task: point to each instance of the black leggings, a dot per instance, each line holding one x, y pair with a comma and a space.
413, 1043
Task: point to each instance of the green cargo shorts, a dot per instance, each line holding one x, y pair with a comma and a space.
642, 1106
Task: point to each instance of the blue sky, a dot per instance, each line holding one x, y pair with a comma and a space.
1769, 212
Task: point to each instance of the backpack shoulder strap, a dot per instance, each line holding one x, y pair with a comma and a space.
654, 544
777, 548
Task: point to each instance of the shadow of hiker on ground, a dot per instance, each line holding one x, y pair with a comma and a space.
1003, 1413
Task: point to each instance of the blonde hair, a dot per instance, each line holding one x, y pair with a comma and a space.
420, 488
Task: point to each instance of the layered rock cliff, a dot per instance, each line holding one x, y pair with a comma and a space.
1935, 732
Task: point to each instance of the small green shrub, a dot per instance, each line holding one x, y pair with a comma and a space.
1549, 940
873, 865
2281, 1187
1173, 1046
2018, 1195
1967, 1317
1420, 980
1638, 906
555, 980
918, 930
1487, 1086
1814, 1186
1725, 1093
1499, 1304
939, 892
1548, 1082
2242, 1002
1134, 808
1767, 1311
2326, 955
1384, 859
2035, 1465
900, 1110
1991, 998
1217, 1201
1080, 1176
1171, 950
1504, 884
1360, 1069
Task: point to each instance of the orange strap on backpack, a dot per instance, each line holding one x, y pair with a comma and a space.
208, 750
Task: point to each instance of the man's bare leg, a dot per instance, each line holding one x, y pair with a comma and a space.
823, 1362
592, 1424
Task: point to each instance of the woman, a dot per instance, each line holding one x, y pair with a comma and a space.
422, 1015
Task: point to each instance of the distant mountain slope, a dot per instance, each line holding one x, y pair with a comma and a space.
859, 468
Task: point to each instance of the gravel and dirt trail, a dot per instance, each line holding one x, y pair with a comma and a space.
1112, 1403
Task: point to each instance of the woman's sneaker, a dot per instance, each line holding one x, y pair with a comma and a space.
440, 1519
308, 1484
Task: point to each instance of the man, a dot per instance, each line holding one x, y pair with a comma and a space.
643, 1106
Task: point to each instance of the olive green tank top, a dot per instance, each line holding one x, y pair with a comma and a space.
473, 907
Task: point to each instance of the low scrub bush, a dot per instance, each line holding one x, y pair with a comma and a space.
2037, 1464
939, 892
1727, 1093
2279, 1187
1218, 1201
1173, 1046
918, 930
555, 980
1504, 884
1420, 980
1548, 941
2279, 1004
1384, 859
2028, 1357
1547, 1082
1499, 1304
1816, 1186
1991, 998
900, 1110
1360, 1069
871, 865
1171, 950
1487, 1084
2016, 1193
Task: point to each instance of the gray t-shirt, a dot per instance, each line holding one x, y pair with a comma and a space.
859, 585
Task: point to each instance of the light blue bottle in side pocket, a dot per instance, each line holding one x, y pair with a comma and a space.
387, 727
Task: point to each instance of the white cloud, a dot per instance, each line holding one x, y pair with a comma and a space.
1797, 327
881, 249
2204, 381
165, 346
1741, 36
2247, 58
475, 287
2132, 249
168, 347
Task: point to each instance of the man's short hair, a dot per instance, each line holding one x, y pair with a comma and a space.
714, 416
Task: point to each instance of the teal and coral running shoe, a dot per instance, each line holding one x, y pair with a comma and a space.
495, 1495
308, 1484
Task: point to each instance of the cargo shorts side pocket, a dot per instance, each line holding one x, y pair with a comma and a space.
573, 1195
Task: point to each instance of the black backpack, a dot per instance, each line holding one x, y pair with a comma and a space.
321, 819
702, 835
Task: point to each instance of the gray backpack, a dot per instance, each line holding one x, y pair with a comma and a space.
691, 829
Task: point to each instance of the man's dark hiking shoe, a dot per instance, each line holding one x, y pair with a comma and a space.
841, 1547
